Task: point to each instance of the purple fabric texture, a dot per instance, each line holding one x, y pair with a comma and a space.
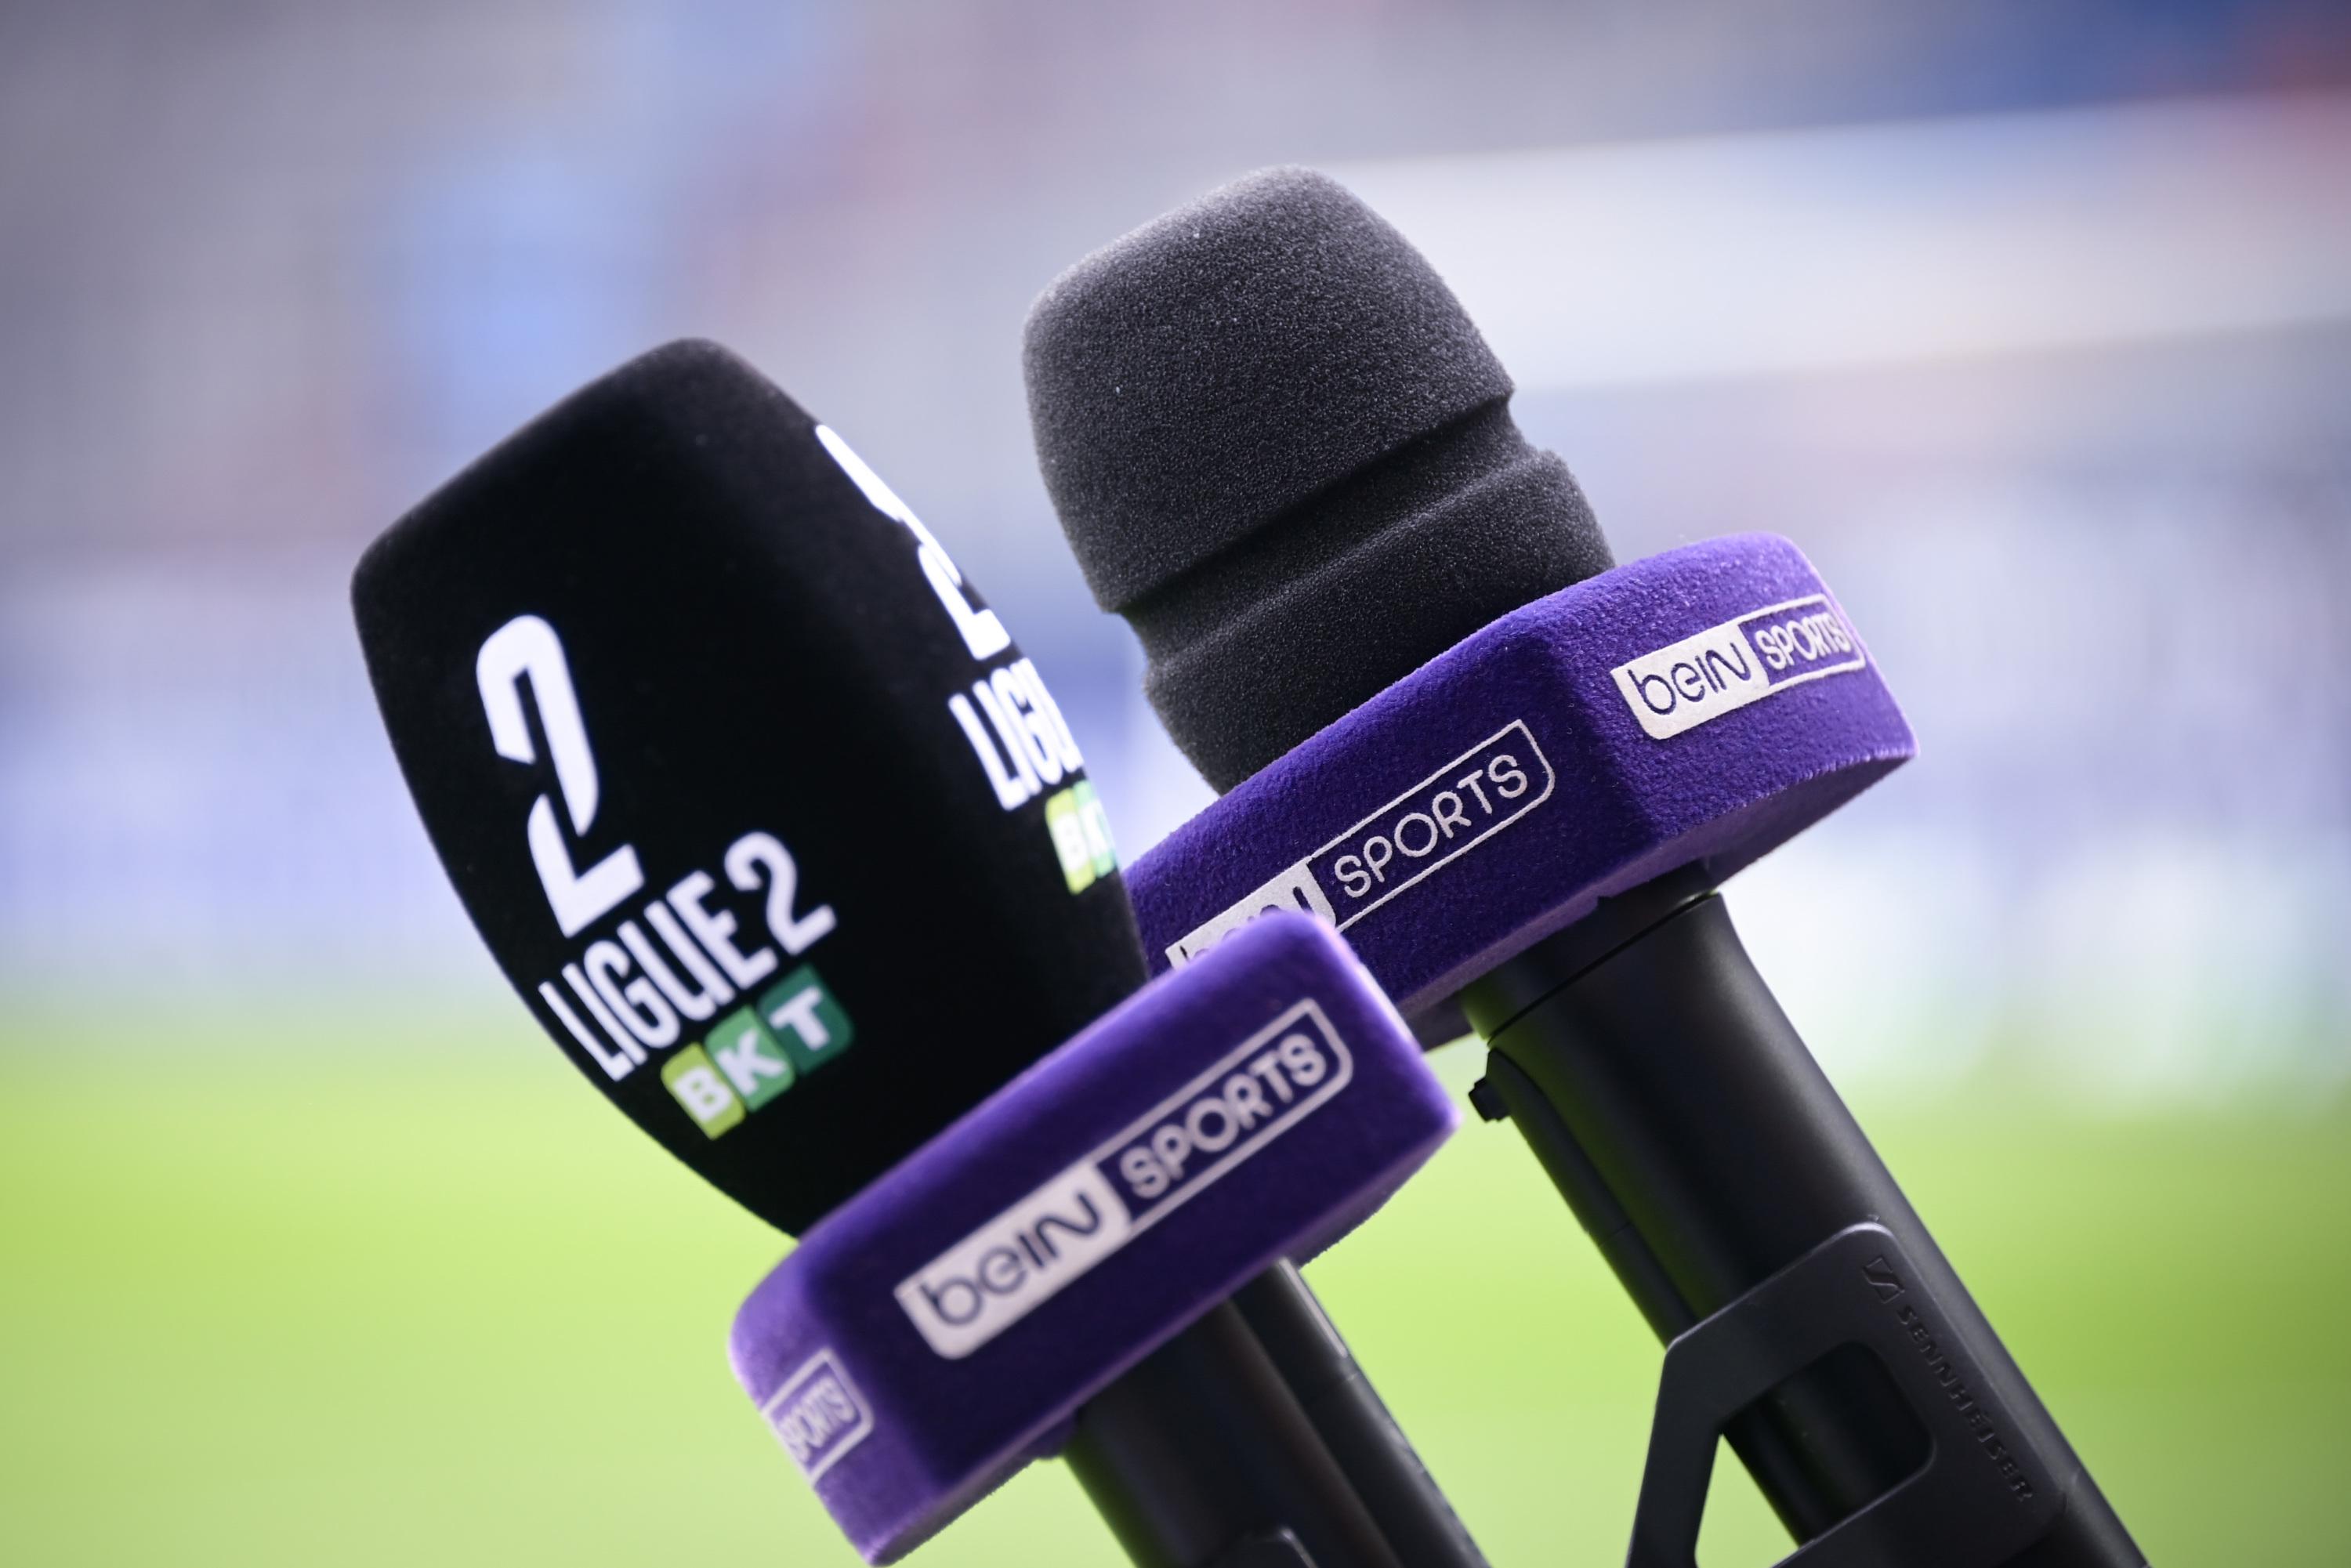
1726, 732
937, 1332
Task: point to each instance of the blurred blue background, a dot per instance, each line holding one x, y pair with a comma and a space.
2031, 322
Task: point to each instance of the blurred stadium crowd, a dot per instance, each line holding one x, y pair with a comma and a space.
2031, 322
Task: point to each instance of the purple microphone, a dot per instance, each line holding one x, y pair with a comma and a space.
1513, 774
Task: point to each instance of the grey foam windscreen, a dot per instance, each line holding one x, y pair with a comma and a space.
1283, 454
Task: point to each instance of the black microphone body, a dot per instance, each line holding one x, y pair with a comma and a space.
1206, 1454
1320, 1460
1677, 1110
788, 848
1283, 454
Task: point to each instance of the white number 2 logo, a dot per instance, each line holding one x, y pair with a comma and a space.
982, 632
528, 645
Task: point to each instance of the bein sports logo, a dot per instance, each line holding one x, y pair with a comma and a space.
1026, 1255
818, 1415
1464, 803
1683, 684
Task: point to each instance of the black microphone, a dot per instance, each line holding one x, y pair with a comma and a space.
792, 851
1391, 628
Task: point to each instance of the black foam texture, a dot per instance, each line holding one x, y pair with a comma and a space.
754, 647
1282, 451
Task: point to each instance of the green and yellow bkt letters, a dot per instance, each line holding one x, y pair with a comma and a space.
754, 1054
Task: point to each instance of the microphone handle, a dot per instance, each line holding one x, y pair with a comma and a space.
1354, 1423
1254, 1441
1678, 1112
1201, 1455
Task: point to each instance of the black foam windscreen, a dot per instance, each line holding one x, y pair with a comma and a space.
1281, 450
747, 790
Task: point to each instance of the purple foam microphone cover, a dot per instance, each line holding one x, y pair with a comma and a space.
939, 1330
1705, 705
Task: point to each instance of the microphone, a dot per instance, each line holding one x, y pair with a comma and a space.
792, 851
1514, 774
618, 658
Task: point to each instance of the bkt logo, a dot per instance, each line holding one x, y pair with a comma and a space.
1080, 831
818, 1415
1016, 1262
755, 1053
1683, 684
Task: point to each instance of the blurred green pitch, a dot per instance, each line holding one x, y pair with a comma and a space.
373, 1301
